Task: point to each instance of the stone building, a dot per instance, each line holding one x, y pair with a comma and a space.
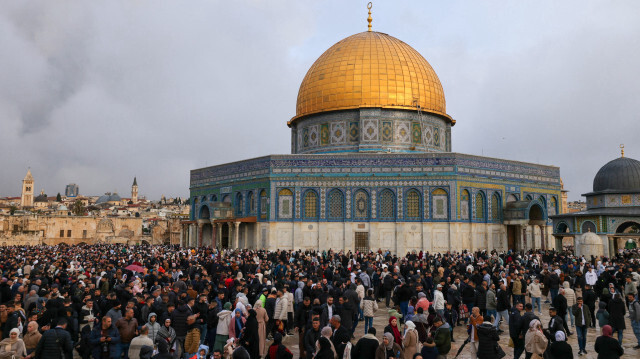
371, 167
611, 220
55, 229
26, 200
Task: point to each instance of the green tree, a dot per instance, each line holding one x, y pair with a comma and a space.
12, 210
77, 208
58, 197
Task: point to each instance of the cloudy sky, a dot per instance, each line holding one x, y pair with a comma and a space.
97, 92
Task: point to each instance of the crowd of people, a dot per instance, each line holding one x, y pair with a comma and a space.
117, 301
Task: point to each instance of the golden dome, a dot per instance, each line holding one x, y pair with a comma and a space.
370, 69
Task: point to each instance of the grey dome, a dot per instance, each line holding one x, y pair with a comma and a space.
621, 174
108, 197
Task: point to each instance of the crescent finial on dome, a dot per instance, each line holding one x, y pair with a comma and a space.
369, 19
622, 149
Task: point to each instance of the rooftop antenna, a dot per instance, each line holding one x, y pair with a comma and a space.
622, 149
369, 19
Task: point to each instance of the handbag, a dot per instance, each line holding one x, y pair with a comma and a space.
500, 352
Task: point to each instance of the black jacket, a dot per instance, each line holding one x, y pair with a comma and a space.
480, 298
502, 301
310, 338
340, 338
365, 348
53, 343
560, 303
487, 342
617, 310
179, 320
555, 324
527, 317
608, 348
559, 350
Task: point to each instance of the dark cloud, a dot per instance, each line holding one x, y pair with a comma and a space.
97, 92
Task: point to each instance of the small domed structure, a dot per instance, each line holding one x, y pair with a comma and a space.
108, 197
621, 174
589, 244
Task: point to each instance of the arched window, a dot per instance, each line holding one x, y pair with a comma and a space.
263, 204
226, 199
387, 209
512, 198
495, 207
528, 198
480, 207
239, 204
213, 198
440, 206
553, 206
361, 205
336, 204
285, 204
464, 205
412, 203
251, 203
543, 201
310, 205
588, 226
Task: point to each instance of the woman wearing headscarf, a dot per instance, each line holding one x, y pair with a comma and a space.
323, 349
388, 348
606, 346
250, 338
535, 342
167, 333
560, 349
262, 319
13, 346
326, 332
393, 329
236, 324
617, 311
410, 340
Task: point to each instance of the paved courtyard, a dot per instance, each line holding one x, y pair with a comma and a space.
382, 317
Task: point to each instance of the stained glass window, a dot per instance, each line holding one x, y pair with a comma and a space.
252, 203
361, 202
387, 205
263, 204
464, 204
413, 204
285, 203
336, 204
495, 207
479, 207
239, 204
310, 204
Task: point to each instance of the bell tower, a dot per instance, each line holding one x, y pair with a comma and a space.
134, 191
27, 191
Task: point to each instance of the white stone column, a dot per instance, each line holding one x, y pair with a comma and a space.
235, 234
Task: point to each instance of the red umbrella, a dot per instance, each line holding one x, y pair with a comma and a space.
135, 268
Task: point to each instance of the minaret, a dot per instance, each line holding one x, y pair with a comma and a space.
27, 191
134, 191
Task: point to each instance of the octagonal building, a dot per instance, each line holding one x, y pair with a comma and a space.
371, 168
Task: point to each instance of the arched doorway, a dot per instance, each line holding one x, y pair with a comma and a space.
224, 240
564, 242
627, 236
204, 213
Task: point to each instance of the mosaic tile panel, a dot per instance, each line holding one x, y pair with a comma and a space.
361, 203
416, 133
403, 133
297, 201
373, 203
370, 130
310, 205
324, 134
305, 137
322, 203
338, 133
413, 204
348, 204
336, 205
387, 131
314, 137
354, 131
387, 205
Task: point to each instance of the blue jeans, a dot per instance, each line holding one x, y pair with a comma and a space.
491, 312
535, 301
582, 337
573, 319
440, 313
619, 335
502, 314
203, 333
636, 329
368, 323
404, 309
122, 348
554, 293
360, 315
